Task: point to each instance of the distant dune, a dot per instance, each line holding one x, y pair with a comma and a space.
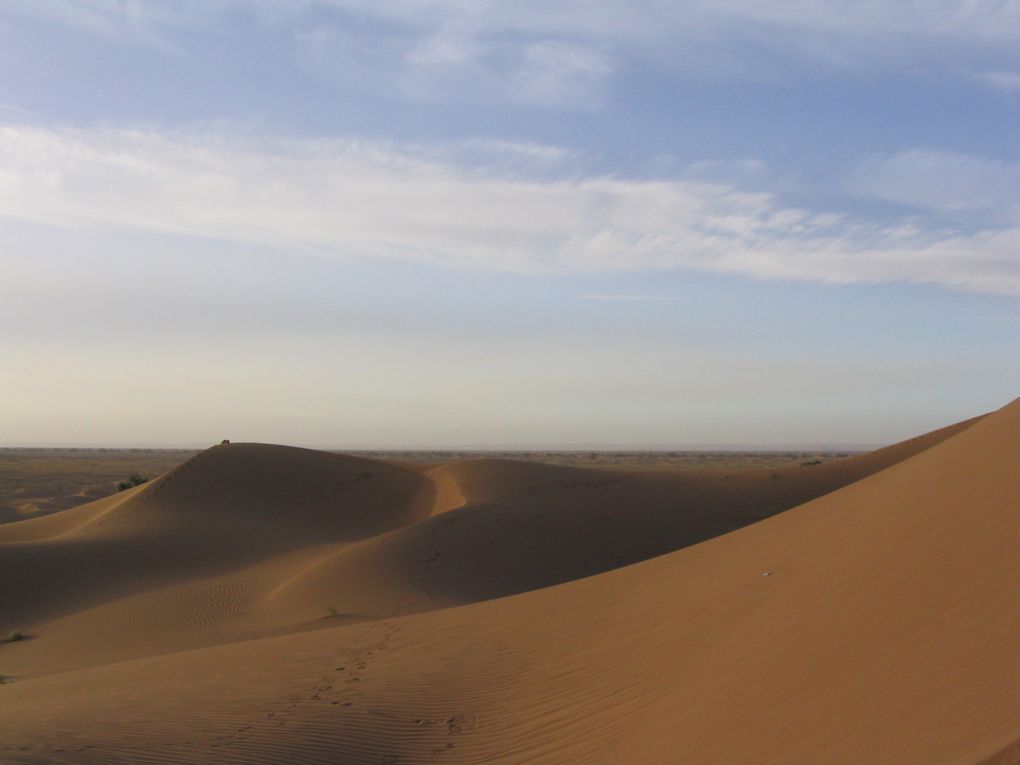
270, 604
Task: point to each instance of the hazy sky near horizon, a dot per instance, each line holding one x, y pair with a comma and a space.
445, 223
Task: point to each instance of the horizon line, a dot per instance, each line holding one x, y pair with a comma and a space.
521, 448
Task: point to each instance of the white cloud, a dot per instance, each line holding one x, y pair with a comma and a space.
17, 110
634, 19
459, 61
536, 152
560, 53
943, 181
629, 298
1006, 82
141, 21
559, 75
357, 199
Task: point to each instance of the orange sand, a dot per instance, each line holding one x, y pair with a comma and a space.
270, 604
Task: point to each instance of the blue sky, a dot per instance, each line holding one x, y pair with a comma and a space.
443, 223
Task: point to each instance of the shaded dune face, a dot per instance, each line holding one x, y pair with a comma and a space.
652, 618
562, 525
228, 508
501, 527
368, 538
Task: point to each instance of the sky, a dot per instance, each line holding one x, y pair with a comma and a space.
478, 224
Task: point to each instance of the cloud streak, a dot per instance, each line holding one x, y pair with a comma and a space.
563, 53
944, 181
650, 19
1004, 82
629, 298
339, 198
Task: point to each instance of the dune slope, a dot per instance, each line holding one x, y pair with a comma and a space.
228, 508
251, 540
501, 527
875, 624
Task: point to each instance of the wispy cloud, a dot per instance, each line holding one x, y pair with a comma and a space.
11, 108
1006, 82
562, 53
560, 75
460, 61
356, 199
142, 21
536, 152
629, 298
643, 19
944, 181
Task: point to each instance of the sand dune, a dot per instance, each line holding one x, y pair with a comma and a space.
502, 527
225, 509
654, 621
248, 540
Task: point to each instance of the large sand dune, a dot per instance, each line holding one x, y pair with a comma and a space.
258, 605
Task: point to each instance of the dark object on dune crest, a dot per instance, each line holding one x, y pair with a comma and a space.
813, 461
13, 636
133, 480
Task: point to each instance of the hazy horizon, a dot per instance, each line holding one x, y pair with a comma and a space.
474, 448
337, 223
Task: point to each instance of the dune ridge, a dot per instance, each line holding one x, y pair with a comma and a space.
871, 622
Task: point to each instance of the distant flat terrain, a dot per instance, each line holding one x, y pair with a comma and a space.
40, 481
728, 460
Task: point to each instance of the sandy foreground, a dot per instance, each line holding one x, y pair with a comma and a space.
265, 604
